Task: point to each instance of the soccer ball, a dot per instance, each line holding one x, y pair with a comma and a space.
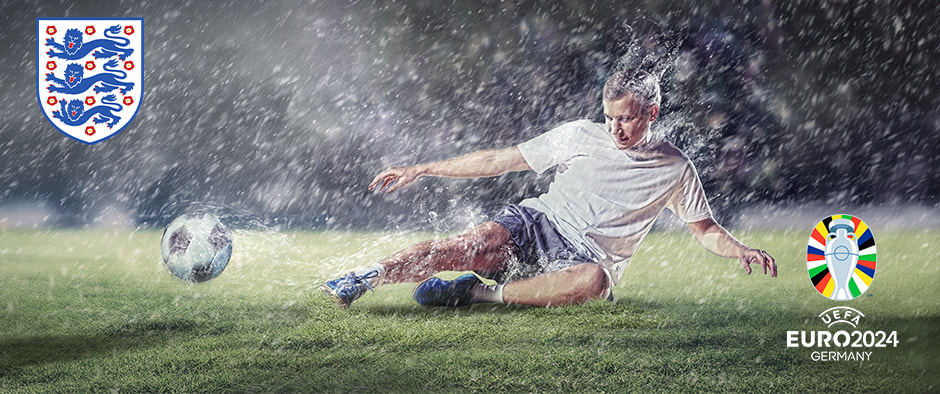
196, 247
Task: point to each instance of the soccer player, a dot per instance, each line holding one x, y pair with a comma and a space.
571, 244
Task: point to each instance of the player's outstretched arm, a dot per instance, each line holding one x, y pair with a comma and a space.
718, 240
479, 164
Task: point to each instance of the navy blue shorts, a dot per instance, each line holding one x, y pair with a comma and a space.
541, 248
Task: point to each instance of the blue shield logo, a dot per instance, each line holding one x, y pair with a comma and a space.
89, 74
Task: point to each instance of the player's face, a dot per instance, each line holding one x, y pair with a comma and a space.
628, 122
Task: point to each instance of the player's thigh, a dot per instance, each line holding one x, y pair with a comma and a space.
486, 248
487, 237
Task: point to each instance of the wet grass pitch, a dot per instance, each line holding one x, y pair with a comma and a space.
94, 310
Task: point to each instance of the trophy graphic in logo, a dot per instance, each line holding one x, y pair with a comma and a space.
840, 257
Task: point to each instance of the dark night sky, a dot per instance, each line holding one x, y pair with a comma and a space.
281, 112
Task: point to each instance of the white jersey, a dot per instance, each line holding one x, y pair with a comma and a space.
606, 199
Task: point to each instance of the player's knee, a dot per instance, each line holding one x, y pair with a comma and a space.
592, 282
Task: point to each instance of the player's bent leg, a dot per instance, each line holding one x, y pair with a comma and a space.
572, 285
577, 284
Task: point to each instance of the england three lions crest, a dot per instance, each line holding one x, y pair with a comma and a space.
89, 74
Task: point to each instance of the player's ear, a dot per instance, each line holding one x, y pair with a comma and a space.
653, 112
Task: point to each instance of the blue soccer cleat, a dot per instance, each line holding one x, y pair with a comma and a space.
435, 291
347, 288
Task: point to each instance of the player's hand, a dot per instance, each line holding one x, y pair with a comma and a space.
394, 178
762, 258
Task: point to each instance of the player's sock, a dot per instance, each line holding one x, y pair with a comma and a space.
487, 293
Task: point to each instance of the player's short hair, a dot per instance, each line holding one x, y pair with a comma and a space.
642, 85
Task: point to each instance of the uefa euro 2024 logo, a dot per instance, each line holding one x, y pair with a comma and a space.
89, 74
840, 260
841, 257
